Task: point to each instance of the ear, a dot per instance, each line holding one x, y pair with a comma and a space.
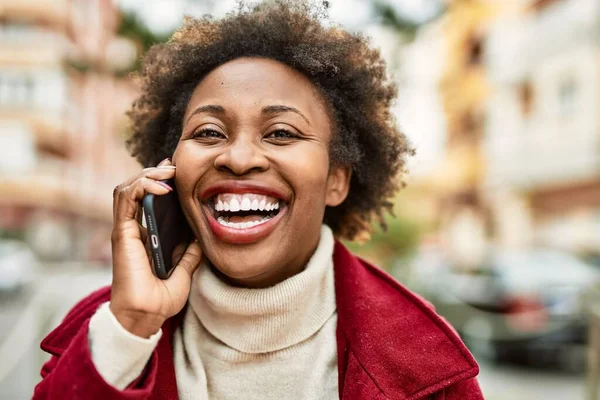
338, 185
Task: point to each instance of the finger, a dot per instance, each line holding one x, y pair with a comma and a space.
139, 213
147, 244
184, 270
128, 197
159, 173
115, 201
143, 234
166, 161
178, 253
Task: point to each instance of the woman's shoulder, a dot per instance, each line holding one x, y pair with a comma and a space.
373, 282
58, 340
362, 285
383, 322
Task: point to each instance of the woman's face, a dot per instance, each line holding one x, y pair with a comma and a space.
253, 171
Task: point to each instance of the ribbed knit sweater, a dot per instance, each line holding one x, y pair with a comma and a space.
234, 343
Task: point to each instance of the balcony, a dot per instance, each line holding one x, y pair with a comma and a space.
532, 162
49, 12
26, 45
515, 45
37, 98
41, 189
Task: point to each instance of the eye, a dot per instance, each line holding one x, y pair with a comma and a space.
207, 133
281, 134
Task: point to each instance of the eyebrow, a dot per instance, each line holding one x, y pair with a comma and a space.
210, 108
276, 109
267, 110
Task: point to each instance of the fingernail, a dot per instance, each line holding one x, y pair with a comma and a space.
165, 185
166, 160
166, 166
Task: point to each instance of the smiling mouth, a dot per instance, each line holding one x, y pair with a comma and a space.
244, 211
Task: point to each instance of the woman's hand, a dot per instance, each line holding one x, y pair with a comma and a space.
140, 301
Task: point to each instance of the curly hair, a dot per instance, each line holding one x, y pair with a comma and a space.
349, 74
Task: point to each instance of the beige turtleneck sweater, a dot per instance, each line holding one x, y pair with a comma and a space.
272, 343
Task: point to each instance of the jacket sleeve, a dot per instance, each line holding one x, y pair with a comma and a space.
465, 390
72, 375
119, 356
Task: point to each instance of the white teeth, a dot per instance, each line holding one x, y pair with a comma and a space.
222, 221
246, 204
229, 202
241, 225
234, 205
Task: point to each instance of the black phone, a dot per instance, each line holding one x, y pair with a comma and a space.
167, 228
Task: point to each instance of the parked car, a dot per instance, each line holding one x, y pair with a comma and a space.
17, 265
521, 306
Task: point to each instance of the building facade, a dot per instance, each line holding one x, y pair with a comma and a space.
61, 123
542, 129
463, 212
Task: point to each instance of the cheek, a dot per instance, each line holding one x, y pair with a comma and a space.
309, 176
191, 164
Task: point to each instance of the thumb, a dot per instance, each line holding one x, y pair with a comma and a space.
185, 268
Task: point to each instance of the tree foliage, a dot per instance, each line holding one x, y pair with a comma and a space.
132, 27
389, 16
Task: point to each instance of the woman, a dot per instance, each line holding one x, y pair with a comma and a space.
279, 135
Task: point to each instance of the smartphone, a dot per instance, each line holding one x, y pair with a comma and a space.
167, 228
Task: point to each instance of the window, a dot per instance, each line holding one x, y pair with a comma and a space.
526, 97
16, 90
539, 5
567, 96
471, 124
15, 32
474, 50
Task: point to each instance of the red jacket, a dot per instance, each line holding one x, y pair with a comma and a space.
391, 345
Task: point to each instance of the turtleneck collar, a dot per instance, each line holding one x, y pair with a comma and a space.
269, 319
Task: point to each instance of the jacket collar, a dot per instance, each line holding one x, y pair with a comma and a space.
404, 347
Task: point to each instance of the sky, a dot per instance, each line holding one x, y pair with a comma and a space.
165, 15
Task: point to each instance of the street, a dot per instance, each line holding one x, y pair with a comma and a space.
518, 383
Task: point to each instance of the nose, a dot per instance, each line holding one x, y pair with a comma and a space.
241, 157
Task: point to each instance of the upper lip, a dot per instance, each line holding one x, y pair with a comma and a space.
241, 187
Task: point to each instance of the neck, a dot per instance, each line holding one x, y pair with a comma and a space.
262, 320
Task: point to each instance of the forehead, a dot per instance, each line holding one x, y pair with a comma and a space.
256, 82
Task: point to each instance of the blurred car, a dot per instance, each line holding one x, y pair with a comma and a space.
520, 306
17, 265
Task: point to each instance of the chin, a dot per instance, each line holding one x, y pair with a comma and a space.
247, 275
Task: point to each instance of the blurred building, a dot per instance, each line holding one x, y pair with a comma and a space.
542, 129
463, 213
61, 123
